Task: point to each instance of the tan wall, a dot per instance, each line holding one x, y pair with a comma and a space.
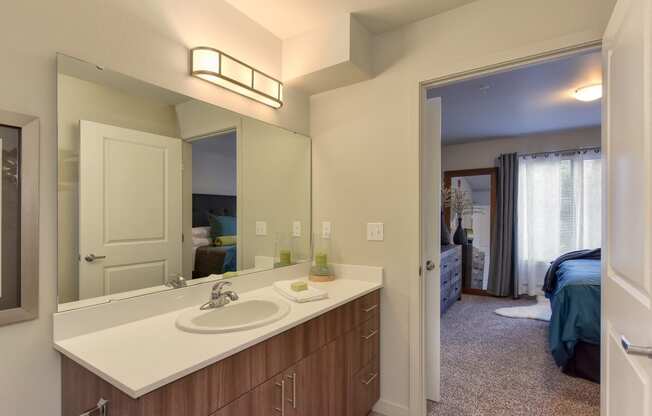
482, 154
365, 141
275, 188
77, 100
273, 178
148, 40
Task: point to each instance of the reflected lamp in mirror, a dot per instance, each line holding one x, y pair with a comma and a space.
221, 69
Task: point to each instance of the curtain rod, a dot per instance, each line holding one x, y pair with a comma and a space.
596, 149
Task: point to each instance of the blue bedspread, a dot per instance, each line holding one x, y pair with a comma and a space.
230, 259
575, 308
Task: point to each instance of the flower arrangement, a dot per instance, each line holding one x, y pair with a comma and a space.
459, 201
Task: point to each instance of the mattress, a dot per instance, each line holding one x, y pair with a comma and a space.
575, 306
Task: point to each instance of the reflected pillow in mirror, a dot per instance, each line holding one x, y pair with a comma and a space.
222, 225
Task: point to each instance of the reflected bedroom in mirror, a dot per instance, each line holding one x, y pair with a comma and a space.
157, 190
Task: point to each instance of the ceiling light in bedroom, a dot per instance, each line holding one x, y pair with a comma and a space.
589, 93
221, 69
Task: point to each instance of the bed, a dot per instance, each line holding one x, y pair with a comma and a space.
208, 258
575, 322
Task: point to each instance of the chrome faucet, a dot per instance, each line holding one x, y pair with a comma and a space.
177, 282
218, 297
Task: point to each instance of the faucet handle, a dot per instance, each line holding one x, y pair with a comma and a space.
217, 287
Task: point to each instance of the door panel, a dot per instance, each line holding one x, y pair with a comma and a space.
129, 209
135, 181
627, 301
430, 244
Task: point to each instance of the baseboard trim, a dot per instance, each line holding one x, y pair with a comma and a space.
387, 408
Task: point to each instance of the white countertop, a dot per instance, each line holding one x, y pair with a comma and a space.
141, 356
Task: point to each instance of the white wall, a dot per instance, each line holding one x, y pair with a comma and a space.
145, 39
483, 154
365, 142
214, 165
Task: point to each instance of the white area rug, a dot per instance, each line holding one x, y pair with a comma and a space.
540, 311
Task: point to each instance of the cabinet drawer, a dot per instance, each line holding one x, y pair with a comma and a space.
366, 389
363, 344
367, 307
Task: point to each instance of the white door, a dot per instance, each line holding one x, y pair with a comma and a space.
430, 239
129, 209
627, 242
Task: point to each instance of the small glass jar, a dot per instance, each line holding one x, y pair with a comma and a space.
321, 270
283, 251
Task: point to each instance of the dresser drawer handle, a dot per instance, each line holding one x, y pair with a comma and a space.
370, 379
369, 309
370, 335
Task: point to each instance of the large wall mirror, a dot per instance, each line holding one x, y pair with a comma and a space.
154, 186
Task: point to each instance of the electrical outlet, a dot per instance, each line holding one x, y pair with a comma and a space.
296, 229
375, 231
326, 229
261, 228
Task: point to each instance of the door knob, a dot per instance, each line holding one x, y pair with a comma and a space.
430, 265
635, 349
92, 257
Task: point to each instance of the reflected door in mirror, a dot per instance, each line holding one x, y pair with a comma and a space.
129, 209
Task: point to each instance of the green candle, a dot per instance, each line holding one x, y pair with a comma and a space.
321, 259
285, 257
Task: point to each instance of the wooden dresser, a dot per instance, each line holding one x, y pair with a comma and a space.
450, 276
328, 366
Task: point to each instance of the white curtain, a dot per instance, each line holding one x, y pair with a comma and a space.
559, 210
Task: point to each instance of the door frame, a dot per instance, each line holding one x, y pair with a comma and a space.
493, 174
417, 317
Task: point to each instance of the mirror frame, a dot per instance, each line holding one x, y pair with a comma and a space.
29, 217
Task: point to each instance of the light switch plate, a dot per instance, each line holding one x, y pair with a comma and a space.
296, 229
261, 228
326, 229
375, 231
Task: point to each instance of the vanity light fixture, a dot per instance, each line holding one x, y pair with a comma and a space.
588, 93
221, 69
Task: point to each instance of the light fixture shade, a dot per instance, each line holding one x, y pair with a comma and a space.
221, 69
589, 93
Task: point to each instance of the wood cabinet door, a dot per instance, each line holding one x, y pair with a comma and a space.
268, 398
321, 382
241, 407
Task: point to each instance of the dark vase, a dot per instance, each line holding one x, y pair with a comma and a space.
460, 235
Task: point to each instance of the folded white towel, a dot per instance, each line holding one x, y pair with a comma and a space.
198, 242
313, 293
201, 232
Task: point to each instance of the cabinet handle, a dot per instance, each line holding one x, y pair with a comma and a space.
369, 309
101, 409
282, 408
293, 400
371, 378
371, 334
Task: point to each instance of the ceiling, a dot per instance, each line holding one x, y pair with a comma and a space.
287, 18
223, 144
533, 99
479, 182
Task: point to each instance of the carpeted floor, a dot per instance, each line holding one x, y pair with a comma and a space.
492, 365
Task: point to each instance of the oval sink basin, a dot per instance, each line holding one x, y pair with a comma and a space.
238, 315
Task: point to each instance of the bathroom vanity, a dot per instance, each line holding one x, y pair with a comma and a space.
321, 359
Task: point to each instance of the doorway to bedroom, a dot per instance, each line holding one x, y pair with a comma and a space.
214, 187
514, 241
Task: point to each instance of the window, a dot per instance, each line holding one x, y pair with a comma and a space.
559, 210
